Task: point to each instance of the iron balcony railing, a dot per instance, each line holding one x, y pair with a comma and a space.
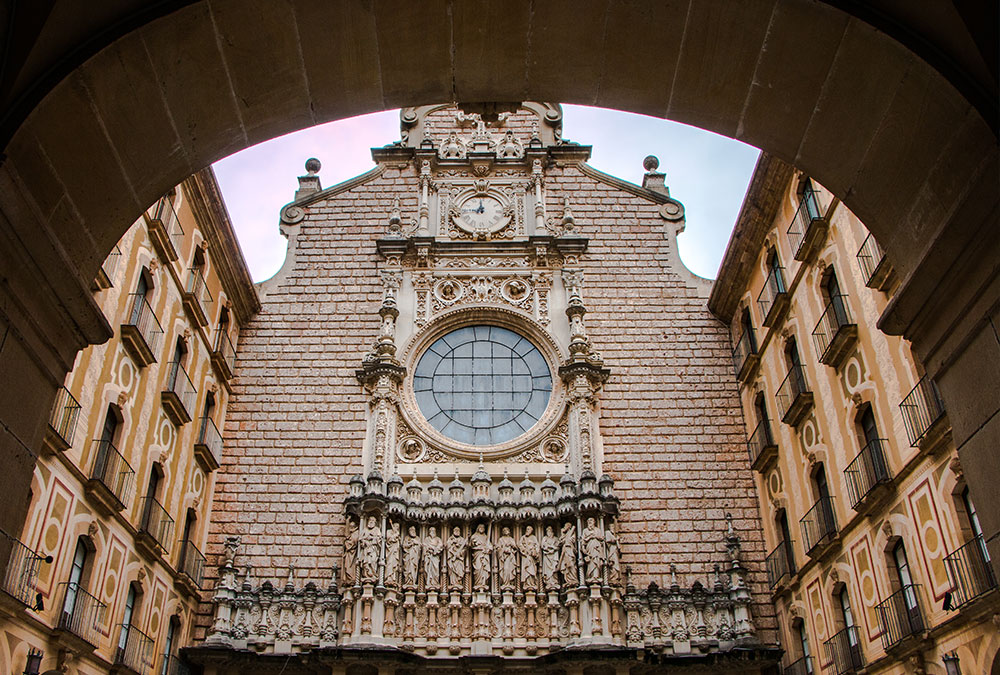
225, 349
164, 212
199, 288
210, 438
844, 651
134, 649
743, 350
793, 386
192, 563
156, 522
803, 666
921, 408
774, 287
870, 257
180, 384
836, 315
970, 571
82, 614
112, 471
819, 524
142, 317
807, 212
758, 440
900, 616
110, 264
866, 471
64, 415
21, 570
780, 564
172, 665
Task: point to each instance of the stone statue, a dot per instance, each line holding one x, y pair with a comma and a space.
411, 557
481, 549
593, 551
351, 553
455, 551
550, 559
567, 555
506, 558
614, 560
432, 559
392, 554
528, 545
368, 552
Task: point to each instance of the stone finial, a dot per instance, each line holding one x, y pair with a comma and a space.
651, 163
653, 180
309, 183
313, 166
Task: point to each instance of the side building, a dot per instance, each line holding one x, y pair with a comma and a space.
107, 573
877, 562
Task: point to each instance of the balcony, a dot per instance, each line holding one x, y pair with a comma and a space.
899, 616
844, 651
81, 618
111, 479
780, 565
794, 398
819, 526
179, 395
866, 472
141, 332
807, 231
970, 571
923, 414
223, 356
197, 297
156, 529
107, 273
836, 333
762, 448
21, 571
773, 298
134, 652
165, 228
875, 269
745, 357
208, 447
174, 666
192, 568
803, 666
62, 422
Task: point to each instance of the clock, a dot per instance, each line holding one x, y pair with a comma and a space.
480, 214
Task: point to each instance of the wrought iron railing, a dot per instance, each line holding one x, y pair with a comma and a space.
921, 408
156, 522
791, 388
172, 665
805, 214
112, 471
900, 615
210, 437
225, 349
803, 666
774, 287
164, 211
180, 384
819, 524
82, 614
21, 570
867, 470
134, 649
970, 571
759, 439
197, 287
64, 415
870, 256
844, 651
110, 264
836, 315
192, 563
743, 350
779, 564
142, 317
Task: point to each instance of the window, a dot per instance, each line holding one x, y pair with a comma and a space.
977, 530
786, 539
847, 616
168, 645
180, 354
804, 645
905, 580
835, 299
131, 599
760, 409
810, 199
776, 278
75, 580
746, 326
141, 295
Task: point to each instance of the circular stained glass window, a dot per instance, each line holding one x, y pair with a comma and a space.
482, 385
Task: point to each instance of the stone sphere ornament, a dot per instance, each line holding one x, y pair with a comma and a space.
651, 163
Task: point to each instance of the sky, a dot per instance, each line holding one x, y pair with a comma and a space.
706, 172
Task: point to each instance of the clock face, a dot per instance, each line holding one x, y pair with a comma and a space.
480, 212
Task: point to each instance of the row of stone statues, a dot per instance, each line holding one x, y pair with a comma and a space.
491, 559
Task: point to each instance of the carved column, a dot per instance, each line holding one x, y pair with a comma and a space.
225, 592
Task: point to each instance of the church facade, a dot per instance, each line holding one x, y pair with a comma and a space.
485, 420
